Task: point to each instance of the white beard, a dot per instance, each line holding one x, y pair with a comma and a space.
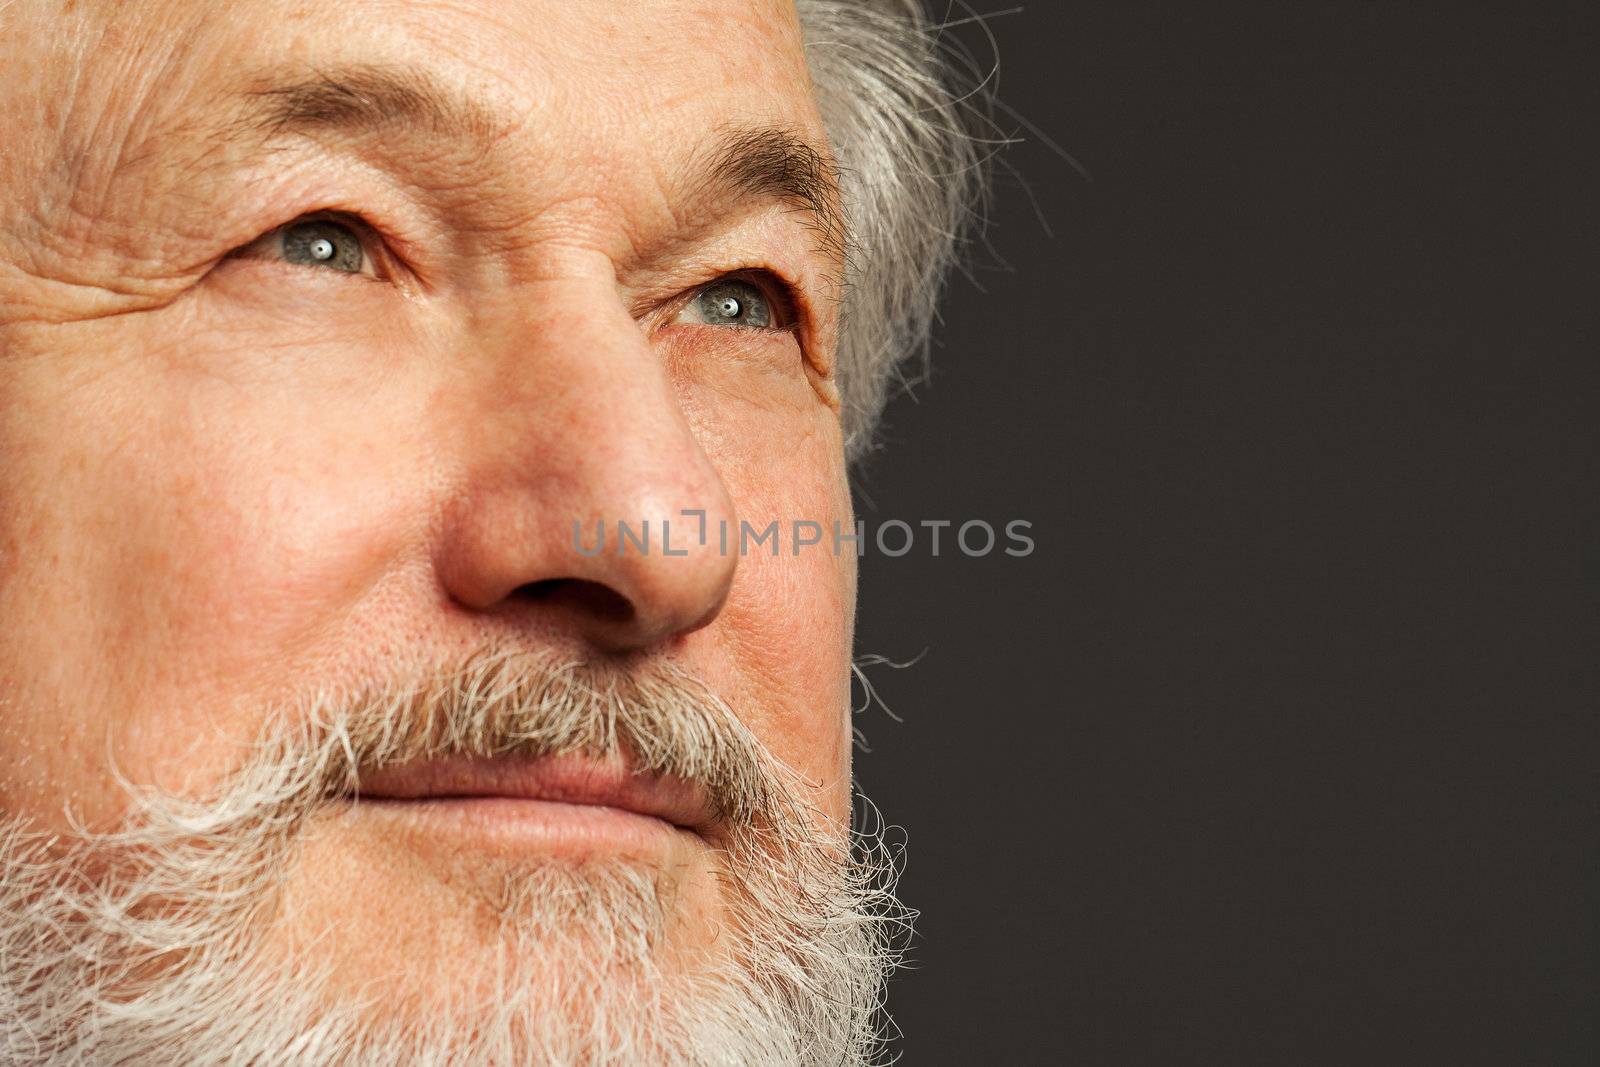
145, 946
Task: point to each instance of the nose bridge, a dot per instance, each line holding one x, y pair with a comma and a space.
575, 425
609, 430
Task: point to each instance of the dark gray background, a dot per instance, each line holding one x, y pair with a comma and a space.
1281, 748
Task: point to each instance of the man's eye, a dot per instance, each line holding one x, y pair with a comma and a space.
321, 243
729, 302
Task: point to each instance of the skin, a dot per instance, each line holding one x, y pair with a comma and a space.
228, 481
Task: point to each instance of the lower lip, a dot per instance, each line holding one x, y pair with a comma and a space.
519, 824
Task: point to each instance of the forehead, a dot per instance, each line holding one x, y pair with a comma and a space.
612, 83
614, 54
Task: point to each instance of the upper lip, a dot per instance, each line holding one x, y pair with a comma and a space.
569, 779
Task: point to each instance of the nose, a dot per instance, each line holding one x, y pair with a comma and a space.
583, 498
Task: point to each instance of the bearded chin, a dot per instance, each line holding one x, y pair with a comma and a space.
168, 941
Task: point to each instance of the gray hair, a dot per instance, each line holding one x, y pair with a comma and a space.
911, 175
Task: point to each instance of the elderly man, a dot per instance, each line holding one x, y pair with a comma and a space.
321, 329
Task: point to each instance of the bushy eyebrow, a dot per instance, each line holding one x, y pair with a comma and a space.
364, 99
777, 164
758, 163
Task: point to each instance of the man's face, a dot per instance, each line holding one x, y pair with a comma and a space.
320, 328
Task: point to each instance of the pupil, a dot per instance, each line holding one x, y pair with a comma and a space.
728, 307
322, 248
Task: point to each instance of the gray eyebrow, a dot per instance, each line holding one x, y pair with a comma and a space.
767, 162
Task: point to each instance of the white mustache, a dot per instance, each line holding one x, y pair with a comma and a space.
499, 703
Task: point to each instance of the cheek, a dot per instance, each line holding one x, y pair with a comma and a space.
788, 623
187, 538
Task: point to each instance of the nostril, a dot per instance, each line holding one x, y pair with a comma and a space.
591, 598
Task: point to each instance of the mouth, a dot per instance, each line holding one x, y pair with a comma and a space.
549, 804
